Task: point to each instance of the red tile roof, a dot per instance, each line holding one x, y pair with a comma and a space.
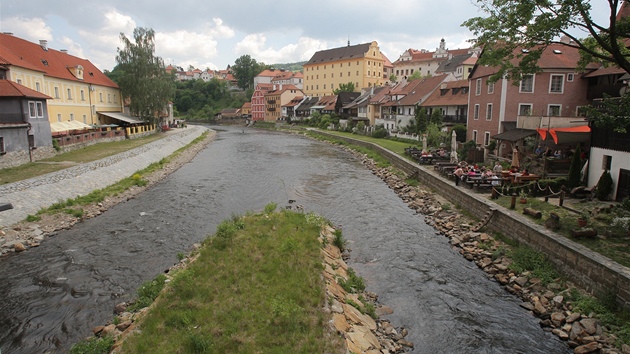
22, 53
9, 88
422, 88
447, 96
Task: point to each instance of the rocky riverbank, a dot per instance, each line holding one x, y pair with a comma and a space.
24, 235
583, 332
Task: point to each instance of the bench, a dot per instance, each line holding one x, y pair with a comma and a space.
524, 179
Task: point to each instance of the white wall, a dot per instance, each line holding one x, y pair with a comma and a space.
595, 170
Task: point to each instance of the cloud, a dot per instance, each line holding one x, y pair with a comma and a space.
219, 30
31, 29
254, 45
73, 47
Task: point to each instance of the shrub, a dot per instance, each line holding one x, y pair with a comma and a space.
148, 292
604, 186
93, 345
338, 240
575, 169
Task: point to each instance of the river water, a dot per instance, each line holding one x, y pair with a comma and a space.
51, 296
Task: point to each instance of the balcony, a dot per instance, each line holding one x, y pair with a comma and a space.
455, 119
271, 109
271, 102
536, 122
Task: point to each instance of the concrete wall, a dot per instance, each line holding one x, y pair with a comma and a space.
590, 270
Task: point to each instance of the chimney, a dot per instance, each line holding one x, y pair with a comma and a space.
8, 33
65, 51
44, 44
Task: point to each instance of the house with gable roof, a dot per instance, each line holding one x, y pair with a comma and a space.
79, 91
402, 108
423, 61
289, 109
24, 126
550, 98
361, 64
275, 98
451, 99
258, 101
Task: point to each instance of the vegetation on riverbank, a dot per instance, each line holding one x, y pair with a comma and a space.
73, 206
255, 284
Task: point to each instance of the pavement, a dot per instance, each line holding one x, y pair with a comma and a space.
30, 195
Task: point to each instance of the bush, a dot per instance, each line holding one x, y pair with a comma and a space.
379, 133
604, 186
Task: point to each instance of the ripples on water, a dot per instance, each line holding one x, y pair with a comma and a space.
53, 295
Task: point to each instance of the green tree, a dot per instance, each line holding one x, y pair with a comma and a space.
435, 135
349, 87
145, 81
460, 130
416, 75
245, 69
393, 78
533, 25
422, 119
436, 117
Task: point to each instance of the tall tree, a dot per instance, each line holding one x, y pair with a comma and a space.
245, 69
145, 81
349, 87
535, 24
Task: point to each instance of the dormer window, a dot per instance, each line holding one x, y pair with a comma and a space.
77, 71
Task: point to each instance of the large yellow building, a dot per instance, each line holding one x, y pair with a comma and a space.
361, 64
78, 89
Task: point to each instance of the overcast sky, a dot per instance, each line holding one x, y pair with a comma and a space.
213, 34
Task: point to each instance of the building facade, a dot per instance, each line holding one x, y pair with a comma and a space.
361, 64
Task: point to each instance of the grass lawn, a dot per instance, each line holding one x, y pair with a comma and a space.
610, 242
59, 162
392, 145
255, 287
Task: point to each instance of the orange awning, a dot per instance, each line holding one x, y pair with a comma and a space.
568, 135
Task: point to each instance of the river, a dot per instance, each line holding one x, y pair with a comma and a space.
54, 294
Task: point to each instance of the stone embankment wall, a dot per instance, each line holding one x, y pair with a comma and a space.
590, 270
31, 195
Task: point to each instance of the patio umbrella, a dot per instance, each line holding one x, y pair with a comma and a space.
454, 147
424, 142
515, 161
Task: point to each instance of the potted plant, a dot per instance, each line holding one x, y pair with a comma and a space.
523, 196
582, 219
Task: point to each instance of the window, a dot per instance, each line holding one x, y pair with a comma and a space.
348, 74
607, 162
71, 117
486, 138
58, 117
525, 109
40, 109
85, 119
554, 110
2, 150
570, 77
100, 96
82, 95
474, 136
478, 87
489, 111
476, 112
527, 83
31, 109
109, 98
31, 141
556, 84
56, 92
357, 72
37, 87
490, 88
19, 81
69, 94
340, 74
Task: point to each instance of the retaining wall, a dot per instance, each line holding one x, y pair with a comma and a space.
590, 270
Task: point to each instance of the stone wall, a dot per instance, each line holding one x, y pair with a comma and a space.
590, 270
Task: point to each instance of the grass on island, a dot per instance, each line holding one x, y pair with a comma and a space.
83, 155
255, 287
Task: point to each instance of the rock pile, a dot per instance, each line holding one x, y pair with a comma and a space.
363, 334
583, 332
